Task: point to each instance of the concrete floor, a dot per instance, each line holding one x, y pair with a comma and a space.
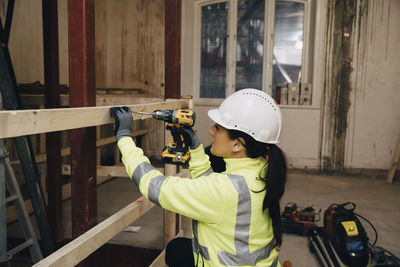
377, 201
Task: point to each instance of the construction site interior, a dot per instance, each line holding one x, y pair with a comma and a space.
333, 66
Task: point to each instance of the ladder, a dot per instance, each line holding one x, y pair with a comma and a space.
15, 198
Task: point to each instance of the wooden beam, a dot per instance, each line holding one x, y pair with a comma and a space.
111, 171
104, 173
52, 93
395, 163
169, 216
50, 120
173, 46
81, 247
105, 141
101, 100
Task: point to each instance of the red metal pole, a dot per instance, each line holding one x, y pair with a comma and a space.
172, 48
82, 94
52, 100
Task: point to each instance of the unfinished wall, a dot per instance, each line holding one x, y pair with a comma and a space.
129, 43
129, 56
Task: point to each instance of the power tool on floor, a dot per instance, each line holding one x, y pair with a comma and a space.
298, 221
347, 234
177, 151
342, 241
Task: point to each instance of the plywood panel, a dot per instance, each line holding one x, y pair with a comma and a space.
26, 40
130, 45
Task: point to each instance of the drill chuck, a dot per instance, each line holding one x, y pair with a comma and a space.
166, 115
183, 117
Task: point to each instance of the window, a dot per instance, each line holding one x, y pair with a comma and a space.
251, 44
214, 27
288, 43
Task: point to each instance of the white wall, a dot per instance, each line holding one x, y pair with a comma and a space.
374, 114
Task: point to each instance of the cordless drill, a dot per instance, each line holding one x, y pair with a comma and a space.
177, 151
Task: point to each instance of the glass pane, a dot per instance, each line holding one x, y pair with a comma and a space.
288, 43
250, 44
214, 25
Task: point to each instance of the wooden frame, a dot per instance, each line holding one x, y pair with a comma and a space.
48, 120
81, 247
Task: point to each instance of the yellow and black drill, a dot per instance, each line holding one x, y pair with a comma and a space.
177, 151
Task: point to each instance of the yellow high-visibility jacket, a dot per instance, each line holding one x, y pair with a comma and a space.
229, 226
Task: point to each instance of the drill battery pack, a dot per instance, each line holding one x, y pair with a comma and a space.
172, 154
176, 152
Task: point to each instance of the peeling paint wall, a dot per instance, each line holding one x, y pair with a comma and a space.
341, 16
361, 99
374, 116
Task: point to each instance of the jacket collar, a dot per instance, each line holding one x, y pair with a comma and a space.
235, 164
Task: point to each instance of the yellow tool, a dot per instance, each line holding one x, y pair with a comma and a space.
176, 152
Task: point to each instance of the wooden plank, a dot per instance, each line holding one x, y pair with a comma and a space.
169, 216
50, 120
111, 171
98, 151
395, 163
78, 249
101, 100
104, 173
105, 141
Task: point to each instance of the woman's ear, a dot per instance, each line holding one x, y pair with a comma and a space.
238, 145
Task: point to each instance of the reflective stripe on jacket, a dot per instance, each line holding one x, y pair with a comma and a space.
229, 227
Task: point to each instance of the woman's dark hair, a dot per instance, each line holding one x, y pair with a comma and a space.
274, 180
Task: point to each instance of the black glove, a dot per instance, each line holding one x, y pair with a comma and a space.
193, 139
123, 121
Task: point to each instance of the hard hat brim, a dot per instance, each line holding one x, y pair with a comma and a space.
216, 117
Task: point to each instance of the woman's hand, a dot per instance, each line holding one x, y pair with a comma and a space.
123, 121
194, 140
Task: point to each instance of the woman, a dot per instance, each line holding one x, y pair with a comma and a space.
236, 213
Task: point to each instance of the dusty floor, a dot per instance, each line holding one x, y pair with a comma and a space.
377, 201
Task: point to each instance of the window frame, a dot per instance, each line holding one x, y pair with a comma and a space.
307, 60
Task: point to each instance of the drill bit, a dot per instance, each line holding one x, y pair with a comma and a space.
143, 112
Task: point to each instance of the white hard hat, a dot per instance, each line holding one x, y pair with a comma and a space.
251, 111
